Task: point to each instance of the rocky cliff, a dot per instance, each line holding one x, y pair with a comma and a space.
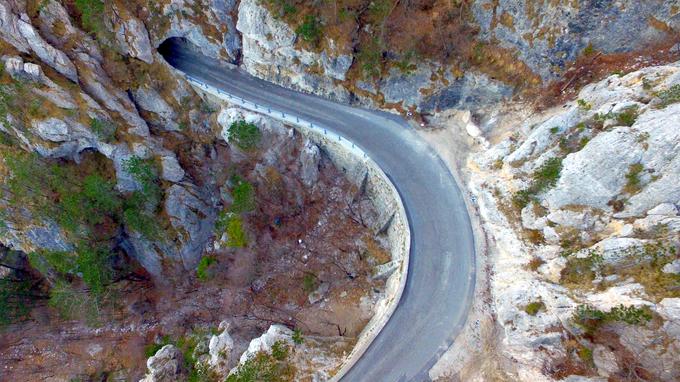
580, 203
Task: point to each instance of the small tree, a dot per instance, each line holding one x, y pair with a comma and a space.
245, 135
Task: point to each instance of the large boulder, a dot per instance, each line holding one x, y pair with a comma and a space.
165, 366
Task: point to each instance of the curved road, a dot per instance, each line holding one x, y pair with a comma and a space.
441, 278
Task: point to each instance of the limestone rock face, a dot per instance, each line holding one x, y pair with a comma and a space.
568, 28
47, 53
265, 341
614, 200
220, 348
193, 216
149, 100
133, 38
269, 53
165, 365
309, 163
211, 28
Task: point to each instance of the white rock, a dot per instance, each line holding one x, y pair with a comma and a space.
165, 365
605, 361
52, 129
170, 169
668, 209
47, 53
309, 163
219, 349
265, 341
672, 267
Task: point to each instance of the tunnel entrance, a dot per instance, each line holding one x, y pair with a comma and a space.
171, 48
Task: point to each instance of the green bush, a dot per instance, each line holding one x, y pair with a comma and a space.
543, 178
297, 336
310, 29
669, 96
369, 58
232, 224
145, 172
533, 308
633, 182
591, 319
628, 116
91, 14
547, 175
245, 135
203, 265
309, 282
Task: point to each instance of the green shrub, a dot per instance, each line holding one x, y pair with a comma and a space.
369, 58
16, 299
203, 265
309, 282
591, 319
94, 269
583, 105
547, 175
669, 96
297, 336
533, 308
245, 135
628, 116
310, 29
280, 350
91, 14
145, 172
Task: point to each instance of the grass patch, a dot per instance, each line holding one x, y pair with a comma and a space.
543, 178
628, 116
633, 182
580, 272
310, 282
232, 224
669, 96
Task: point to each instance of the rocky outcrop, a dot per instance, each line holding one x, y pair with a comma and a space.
220, 349
208, 25
605, 210
132, 36
547, 36
269, 52
165, 366
194, 219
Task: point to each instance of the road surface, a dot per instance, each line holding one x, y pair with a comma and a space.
441, 277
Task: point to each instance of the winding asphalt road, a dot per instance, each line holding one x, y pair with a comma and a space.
441, 277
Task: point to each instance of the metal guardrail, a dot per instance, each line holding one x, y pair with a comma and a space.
281, 116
